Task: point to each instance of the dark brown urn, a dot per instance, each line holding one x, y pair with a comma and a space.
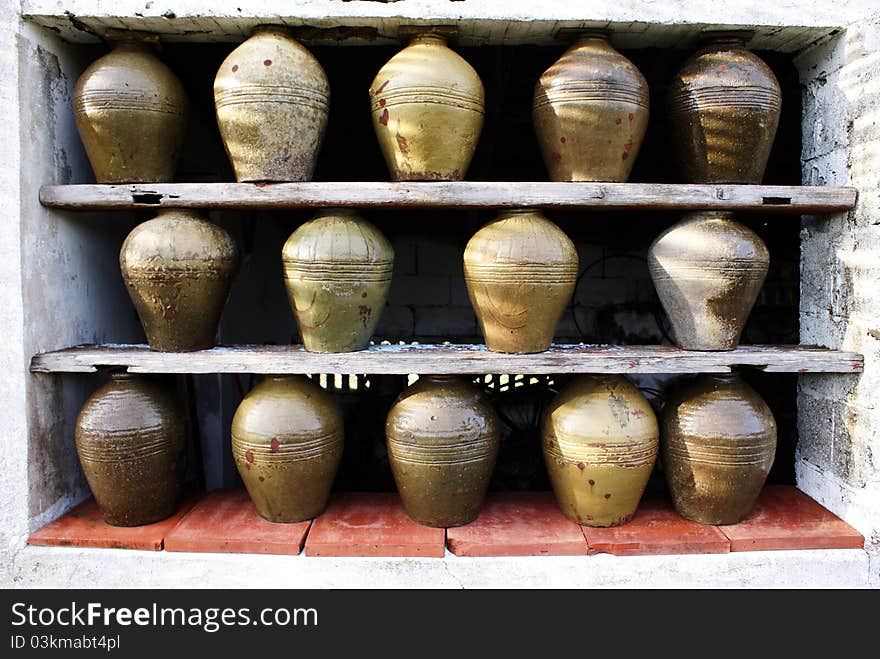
591, 112
723, 108
130, 438
718, 443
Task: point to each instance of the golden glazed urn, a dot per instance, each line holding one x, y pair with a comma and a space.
718, 445
178, 269
442, 443
131, 114
708, 271
600, 441
723, 111
287, 438
337, 269
591, 112
520, 270
427, 104
131, 439
272, 99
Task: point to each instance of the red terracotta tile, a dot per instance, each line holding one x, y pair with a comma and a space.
84, 527
371, 524
786, 518
518, 524
226, 521
656, 529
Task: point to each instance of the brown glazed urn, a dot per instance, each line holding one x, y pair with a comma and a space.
591, 112
427, 105
272, 99
520, 270
337, 269
131, 114
718, 441
287, 437
600, 441
442, 443
723, 110
708, 271
131, 438
178, 269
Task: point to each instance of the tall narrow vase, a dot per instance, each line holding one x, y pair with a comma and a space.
520, 271
131, 114
591, 112
600, 441
724, 108
130, 439
427, 105
272, 99
178, 269
708, 271
337, 268
287, 437
718, 445
442, 444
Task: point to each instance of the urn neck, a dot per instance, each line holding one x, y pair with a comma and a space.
121, 376
726, 38
280, 30
438, 378
593, 38
428, 38
723, 379
132, 46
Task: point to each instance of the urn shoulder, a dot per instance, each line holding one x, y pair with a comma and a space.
272, 58
427, 62
284, 405
521, 236
338, 235
710, 236
178, 237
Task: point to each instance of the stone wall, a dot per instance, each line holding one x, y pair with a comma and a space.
838, 455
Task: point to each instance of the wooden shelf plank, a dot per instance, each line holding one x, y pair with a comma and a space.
447, 358
459, 194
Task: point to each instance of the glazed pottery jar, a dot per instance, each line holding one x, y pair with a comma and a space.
287, 439
131, 114
600, 441
337, 269
178, 268
591, 112
520, 271
723, 111
708, 271
427, 107
442, 444
272, 99
718, 441
131, 438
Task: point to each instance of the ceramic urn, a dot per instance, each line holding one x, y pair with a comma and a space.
718, 441
723, 108
427, 105
442, 444
178, 268
591, 112
272, 99
708, 270
131, 114
337, 269
287, 437
131, 439
520, 270
600, 442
